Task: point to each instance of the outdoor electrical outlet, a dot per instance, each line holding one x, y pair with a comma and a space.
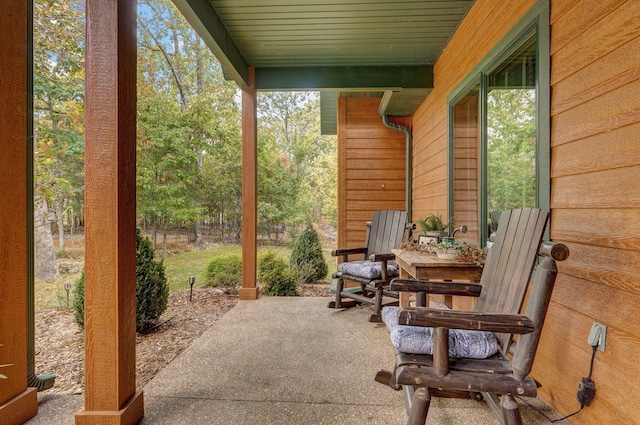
598, 336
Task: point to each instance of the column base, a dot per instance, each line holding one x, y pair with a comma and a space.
130, 414
21, 408
249, 293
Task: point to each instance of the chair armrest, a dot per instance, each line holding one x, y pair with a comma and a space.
348, 251
454, 319
381, 257
435, 287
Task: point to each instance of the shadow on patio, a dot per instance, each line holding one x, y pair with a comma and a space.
283, 361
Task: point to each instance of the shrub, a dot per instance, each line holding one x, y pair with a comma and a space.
152, 290
78, 302
225, 272
276, 276
307, 257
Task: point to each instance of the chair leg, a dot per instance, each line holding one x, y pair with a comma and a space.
408, 391
419, 407
377, 306
510, 410
338, 300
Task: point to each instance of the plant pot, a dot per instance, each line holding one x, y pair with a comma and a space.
437, 234
447, 253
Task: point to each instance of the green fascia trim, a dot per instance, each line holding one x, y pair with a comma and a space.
204, 19
345, 78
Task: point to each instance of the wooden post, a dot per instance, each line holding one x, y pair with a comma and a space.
249, 290
110, 208
17, 402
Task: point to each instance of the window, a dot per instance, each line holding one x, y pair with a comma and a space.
499, 130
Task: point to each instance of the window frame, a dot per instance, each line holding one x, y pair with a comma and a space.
534, 23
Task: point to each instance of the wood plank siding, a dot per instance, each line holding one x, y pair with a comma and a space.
372, 162
595, 167
595, 198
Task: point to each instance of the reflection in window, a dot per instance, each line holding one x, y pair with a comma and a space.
494, 143
511, 133
466, 142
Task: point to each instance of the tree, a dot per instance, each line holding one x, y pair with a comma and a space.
293, 159
58, 123
178, 74
307, 257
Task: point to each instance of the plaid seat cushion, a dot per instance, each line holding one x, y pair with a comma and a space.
419, 340
366, 269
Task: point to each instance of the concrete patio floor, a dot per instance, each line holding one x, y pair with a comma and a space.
283, 361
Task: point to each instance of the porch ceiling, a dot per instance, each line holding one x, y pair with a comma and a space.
330, 45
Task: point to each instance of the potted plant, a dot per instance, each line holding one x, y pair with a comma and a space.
434, 227
448, 250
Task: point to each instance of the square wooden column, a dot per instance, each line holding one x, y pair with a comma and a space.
249, 290
17, 402
110, 212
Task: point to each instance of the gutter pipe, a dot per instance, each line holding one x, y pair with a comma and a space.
409, 162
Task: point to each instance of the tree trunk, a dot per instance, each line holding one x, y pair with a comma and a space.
46, 265
60, 217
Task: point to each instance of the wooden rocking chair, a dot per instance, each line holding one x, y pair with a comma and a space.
384, 232
501, 293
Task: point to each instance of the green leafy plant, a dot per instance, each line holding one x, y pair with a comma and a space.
225, 272
152, 290
276, 276
307, 257
435, 223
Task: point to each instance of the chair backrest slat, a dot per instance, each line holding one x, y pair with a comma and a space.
387, 229
510, 263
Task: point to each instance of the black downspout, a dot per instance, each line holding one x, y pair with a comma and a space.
41, 382
409, 164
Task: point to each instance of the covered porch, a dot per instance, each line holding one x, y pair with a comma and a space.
420, 67
282, 360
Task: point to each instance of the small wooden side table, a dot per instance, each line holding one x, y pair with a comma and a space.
423, 266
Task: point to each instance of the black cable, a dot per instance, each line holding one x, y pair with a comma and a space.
593, 356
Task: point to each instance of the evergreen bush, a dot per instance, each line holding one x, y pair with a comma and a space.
152, 290
276, 276
78, 302
225, 272
307, 257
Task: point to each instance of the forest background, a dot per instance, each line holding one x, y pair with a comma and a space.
189, 169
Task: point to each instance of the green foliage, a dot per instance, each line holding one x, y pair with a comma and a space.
276, 276
433, 223
152, 290
224, 271
307, 257
77, 302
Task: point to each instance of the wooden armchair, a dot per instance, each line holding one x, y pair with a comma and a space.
496, 317
384, 232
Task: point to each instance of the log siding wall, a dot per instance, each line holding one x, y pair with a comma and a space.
595, 199
372, 161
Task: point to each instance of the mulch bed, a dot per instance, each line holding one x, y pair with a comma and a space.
60, 344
